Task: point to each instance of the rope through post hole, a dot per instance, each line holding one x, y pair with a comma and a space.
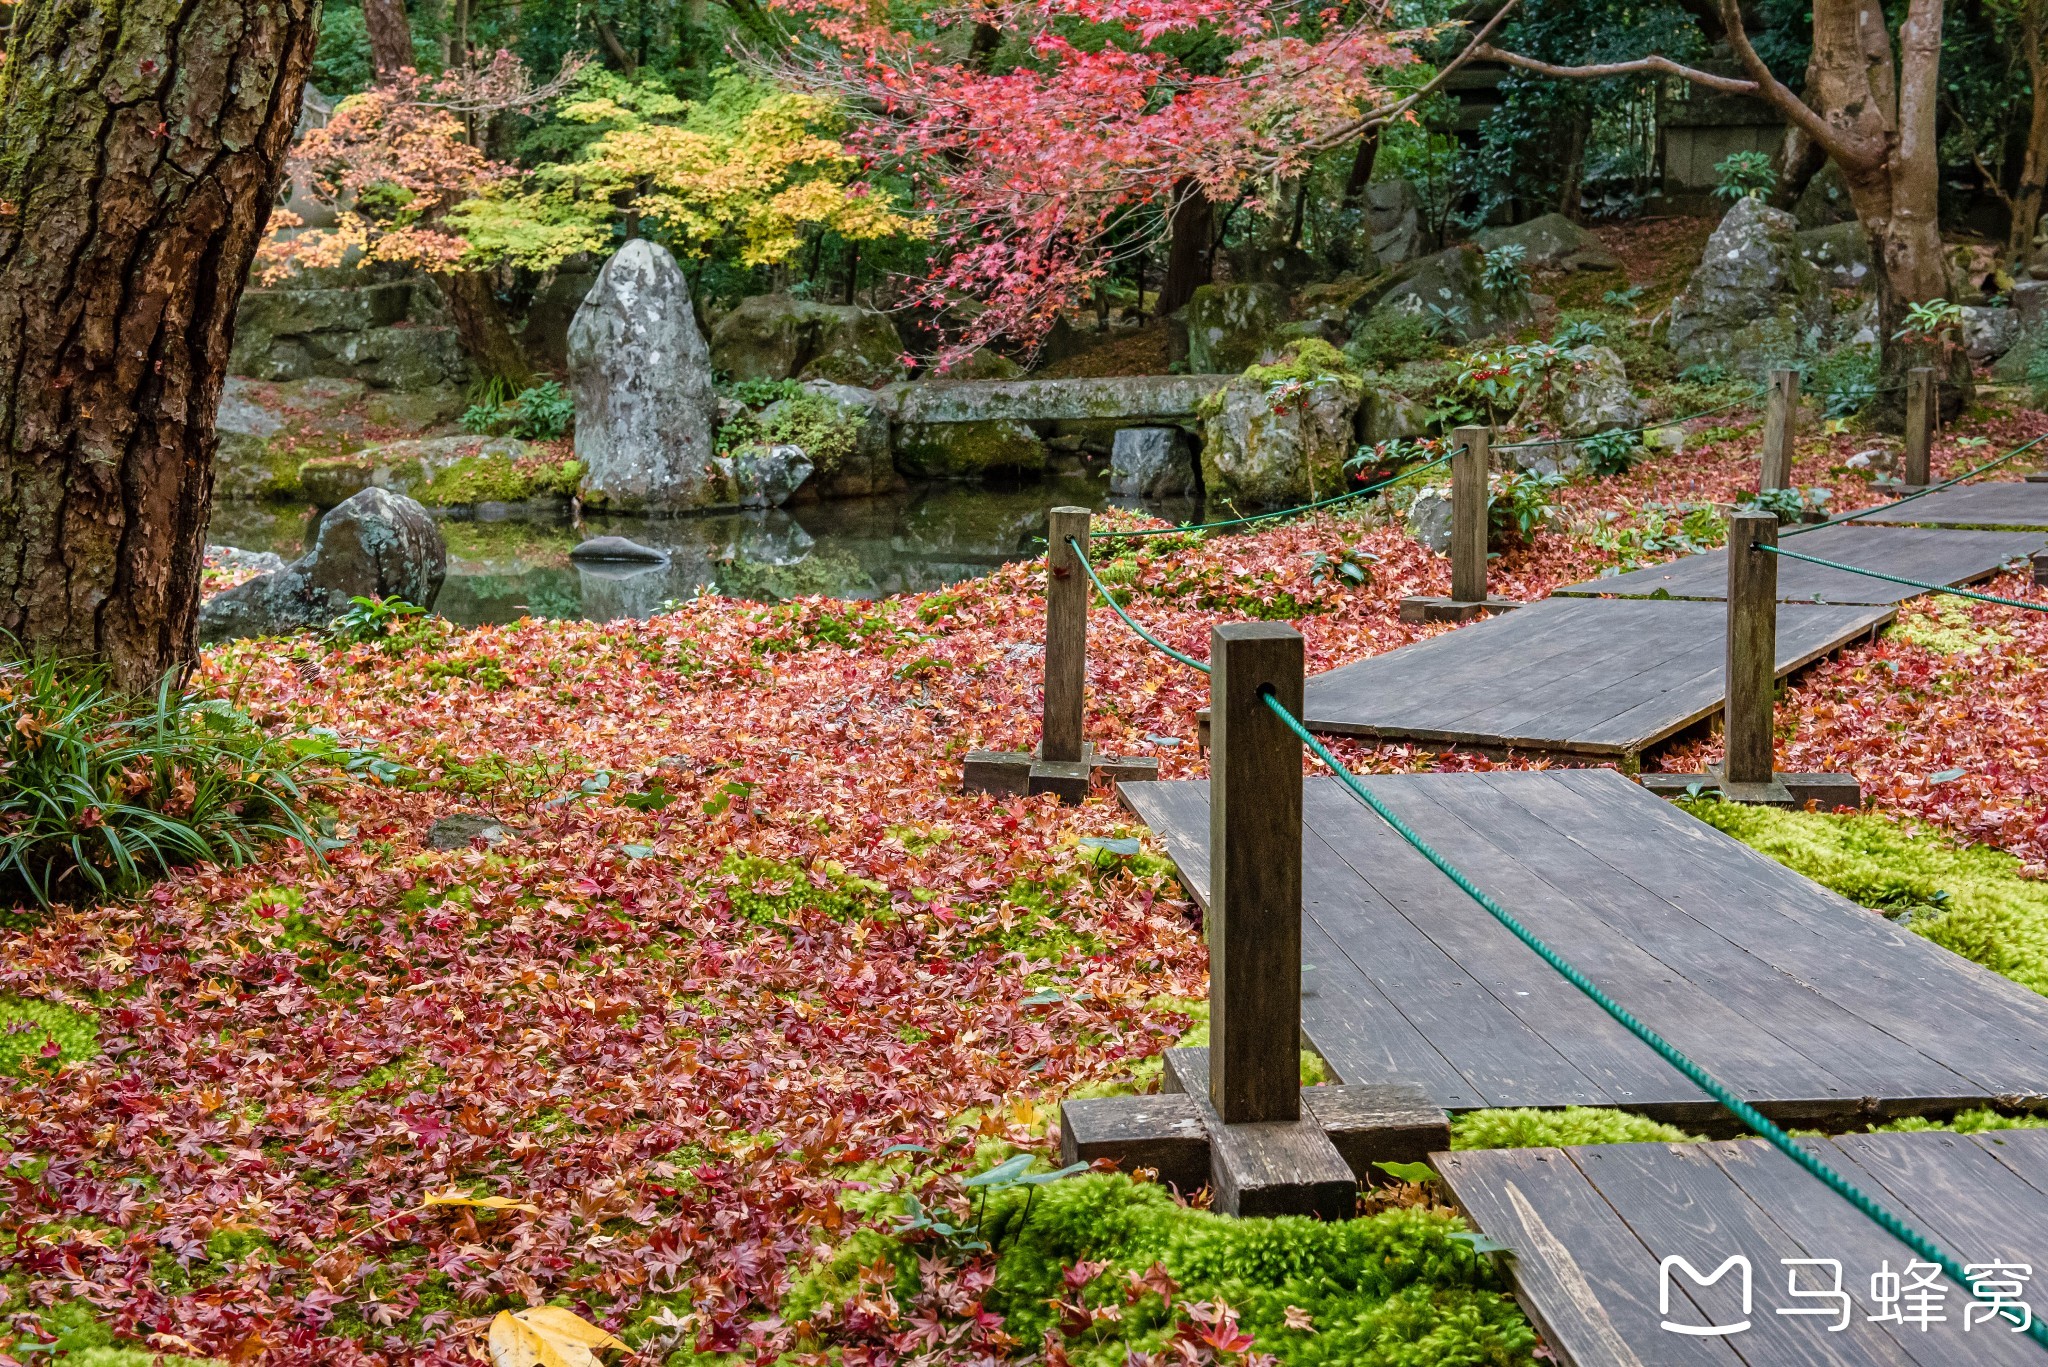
1909, 583
1250, 518
1953, 480
1920, 1244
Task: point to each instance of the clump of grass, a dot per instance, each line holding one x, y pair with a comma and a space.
101, 792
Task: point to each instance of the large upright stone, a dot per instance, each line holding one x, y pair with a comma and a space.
645, 413
376, 545
1151, 462
1229, 326
1754, 300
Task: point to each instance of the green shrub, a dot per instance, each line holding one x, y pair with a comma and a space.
1744, 175
1969, 899
100, 792
1611, 453
1392, 338
828, 432
1532, 1129
371, 619
540, 413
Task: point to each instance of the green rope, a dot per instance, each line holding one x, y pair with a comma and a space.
1670, 1053
1909, 583
1190, 661
1919, 1243
1329, 502
1988, 465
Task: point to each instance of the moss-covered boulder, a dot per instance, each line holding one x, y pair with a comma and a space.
1280, 434
443, 472
374, 330
968, 450
268, 430
782, 337
1229, 326
1447, 290
1552, 243
1754, 300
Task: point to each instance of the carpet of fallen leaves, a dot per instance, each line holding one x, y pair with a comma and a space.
742, 934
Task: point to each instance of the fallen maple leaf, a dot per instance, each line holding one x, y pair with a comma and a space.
456, 1197
546, 1336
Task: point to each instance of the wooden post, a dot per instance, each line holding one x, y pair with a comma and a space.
1255, 874
1919, 424
1066, 638
1469, 456
1752, 647
1781, 423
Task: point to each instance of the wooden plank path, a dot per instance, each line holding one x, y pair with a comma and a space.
1590, 1229
1932, 556
1580, 678
1816, 1010
2007, 503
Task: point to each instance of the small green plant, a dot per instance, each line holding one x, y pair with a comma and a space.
1937, 322
1520, 502
1606, 454
371, 619
541, 413
1446, 323
1583, 332
1504, 274
1622, 299
761, 393
1660, 530
1710, 373
101, 792
1789, 505
1744, 175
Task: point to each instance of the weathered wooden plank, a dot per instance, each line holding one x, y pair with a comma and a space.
1586, 1279
2005, 503
1469, 446
1164, 1132
1929, 554
1583, 677
1681, 1203
1781, 429
1066, 640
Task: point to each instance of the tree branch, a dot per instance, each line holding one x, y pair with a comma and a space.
1663, 66
1779, 96
1386, 114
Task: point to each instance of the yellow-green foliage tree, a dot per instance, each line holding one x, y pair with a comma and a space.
749, 172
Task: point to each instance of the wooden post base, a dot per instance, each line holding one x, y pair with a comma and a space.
2040, 564
1020, 773
1311, 1166
1428, 608
1828, 792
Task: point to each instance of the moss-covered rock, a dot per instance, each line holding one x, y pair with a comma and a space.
1448, 291
1281, 433
968, 450
442, 472
1754, 300
782, 337
1230, 326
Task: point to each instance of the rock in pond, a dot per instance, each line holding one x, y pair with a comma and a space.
645, 411
1151, 462
618, 550
377, 544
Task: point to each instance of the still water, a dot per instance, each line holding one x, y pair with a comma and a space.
852, 548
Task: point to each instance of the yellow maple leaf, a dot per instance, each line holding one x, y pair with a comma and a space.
454, 1197
546, 1336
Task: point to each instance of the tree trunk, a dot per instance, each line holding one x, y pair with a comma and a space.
1362, 162
481, 326
1187, 248
2027, 196
145, 145
1573, 181
1800, 159
390, 37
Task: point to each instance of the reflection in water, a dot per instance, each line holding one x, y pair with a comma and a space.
855, 548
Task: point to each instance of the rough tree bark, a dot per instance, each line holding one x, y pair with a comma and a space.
1187, 247
481, 327
1874, 112
390, 37
141, 147
2033, 182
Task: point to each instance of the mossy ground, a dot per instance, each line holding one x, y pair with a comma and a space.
497, 478
1969, 899
28, 1027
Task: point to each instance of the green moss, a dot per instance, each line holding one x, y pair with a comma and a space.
828, 432
767, 891
1944, 627
1966, 898
1532, 1129
28, 1026
497, 478
1966, 1122
1396, 1289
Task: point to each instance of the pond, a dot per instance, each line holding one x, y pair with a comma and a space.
854, 548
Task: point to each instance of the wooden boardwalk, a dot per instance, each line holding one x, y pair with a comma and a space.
1590, 1229
1580, 678
1818, 1011
2009, 504
1932, 556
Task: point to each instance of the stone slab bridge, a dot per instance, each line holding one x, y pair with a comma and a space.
1135, 400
